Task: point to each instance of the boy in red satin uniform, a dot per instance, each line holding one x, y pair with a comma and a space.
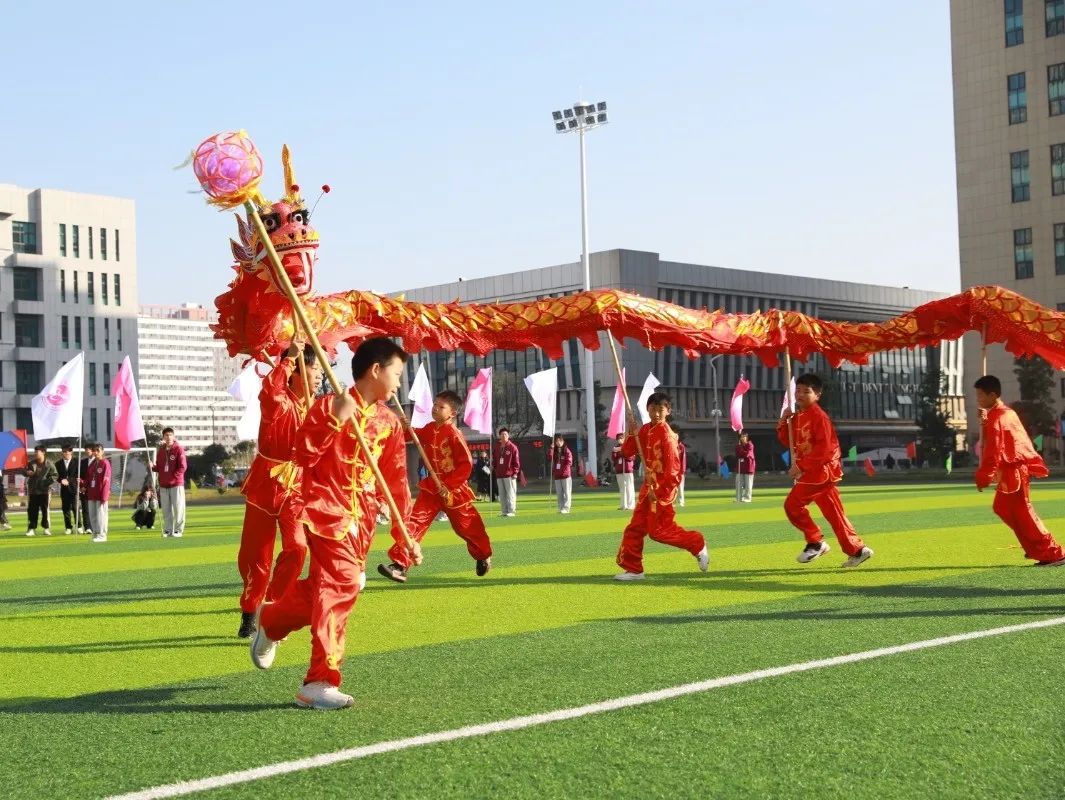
451, 460
1009, 459
272, 488
816, 469
654, 515
340, 504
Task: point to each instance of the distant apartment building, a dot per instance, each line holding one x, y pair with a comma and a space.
184, 374
68, 283
1009, 132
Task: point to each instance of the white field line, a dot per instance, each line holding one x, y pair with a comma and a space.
532, 720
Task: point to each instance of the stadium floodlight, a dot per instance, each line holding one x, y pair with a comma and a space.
584, 116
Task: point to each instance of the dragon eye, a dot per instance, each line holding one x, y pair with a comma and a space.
300, 217
271, 222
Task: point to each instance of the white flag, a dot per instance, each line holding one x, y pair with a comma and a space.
57, 410
649, 387
246, 387
421, 394
543, 386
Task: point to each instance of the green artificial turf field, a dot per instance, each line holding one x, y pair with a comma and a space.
121, 670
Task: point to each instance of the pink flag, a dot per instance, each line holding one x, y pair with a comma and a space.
789, 399
617, 409
736, 407
129, 427
479, 402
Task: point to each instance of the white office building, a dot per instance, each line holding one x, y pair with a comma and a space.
184, 374
68, 283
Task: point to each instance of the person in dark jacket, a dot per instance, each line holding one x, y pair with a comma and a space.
67, 474
40, 475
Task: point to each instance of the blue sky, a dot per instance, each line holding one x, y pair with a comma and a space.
811, 138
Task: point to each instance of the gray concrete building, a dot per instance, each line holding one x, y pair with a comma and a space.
1009, 131
874, 406
68, 283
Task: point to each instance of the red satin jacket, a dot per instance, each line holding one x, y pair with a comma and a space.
816, 448
450, 458
1008, 455
273, 477
340, 495
661, 461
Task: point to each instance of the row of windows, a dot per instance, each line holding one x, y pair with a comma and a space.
1024, 254
90, 329
24, 236
1054, 17
75, 242
90, 288
1020, 179
1017, 93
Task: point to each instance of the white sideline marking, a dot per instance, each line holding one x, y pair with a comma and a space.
532, 720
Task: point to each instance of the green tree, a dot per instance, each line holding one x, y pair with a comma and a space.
512, 405
937, 436
154, 432
1035, 379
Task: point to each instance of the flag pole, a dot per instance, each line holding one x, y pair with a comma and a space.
77, 492
625, 394
122, 482
300, 314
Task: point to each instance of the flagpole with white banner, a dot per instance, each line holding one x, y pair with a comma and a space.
543, 386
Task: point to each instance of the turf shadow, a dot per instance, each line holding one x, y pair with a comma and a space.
155, 700
109, 595
169, 643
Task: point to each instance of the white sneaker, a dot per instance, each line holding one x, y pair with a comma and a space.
177, 534
564, 511
862, 555
68, 531
167, 534
5, 527
138, 527
99, 537
323, 696
812, 551
81, 530
362, 581
47, 532
629, 576
263, 648
511, 514
31, 532
703, 557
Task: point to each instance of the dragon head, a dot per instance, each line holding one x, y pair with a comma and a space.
288, 225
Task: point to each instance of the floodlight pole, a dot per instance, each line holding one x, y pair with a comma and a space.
589, 379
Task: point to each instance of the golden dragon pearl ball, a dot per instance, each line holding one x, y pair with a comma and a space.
228, 166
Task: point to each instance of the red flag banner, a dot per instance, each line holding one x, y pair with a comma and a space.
870, 470
911, 451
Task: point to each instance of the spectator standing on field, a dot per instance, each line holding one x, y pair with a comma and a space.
624, 467
744, 468
171, 464
40, 475
562, 472
67, 473
507, 463
99, 493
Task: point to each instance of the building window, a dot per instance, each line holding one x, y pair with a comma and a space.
62, 285
1055, 11
26, 283
92, 411
77, 333
29, 377
1023, 265
75, 286
103, 243
92, 389
1057, 169
77, 252
24, 236
1014, 22
64, 332
1061, 307
107, 333
118, 290
1017, 98
62, 239
90, 241
28, 330
91, 322
103, 287
107, 379
1019, 181
90, 289
118, 253
1059, 251
24, 419
1056, 88
118, 326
